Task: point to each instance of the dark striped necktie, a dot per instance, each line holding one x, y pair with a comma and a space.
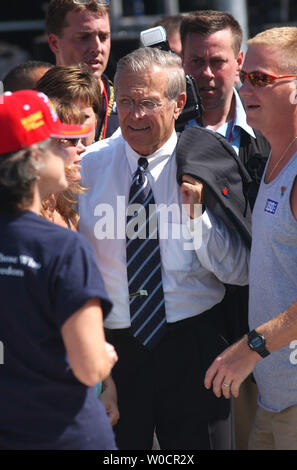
147, 306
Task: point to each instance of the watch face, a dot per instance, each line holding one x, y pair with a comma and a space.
257, 342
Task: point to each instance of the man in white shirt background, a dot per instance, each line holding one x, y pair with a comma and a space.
160, 385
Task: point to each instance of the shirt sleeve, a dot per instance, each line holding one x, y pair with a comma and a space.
75, 280
219, 249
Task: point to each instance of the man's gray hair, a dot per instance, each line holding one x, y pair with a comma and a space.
142, 60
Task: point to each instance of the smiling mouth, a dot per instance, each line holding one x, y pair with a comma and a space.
138, 129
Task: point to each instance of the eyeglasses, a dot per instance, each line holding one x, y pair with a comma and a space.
85, 2
145, 106
260, 79
69, 142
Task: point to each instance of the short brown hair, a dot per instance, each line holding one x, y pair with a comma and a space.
171, 23
57, 10
71, 83
206, 22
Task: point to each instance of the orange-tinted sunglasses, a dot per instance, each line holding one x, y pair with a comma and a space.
260, 79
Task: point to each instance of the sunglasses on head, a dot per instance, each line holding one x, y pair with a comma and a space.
85, 2
260, 79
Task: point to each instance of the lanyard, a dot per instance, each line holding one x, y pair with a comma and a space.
109, 106
106, 112
232, 125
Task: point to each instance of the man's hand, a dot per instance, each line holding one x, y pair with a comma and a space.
191, 191
230, 368
109, 399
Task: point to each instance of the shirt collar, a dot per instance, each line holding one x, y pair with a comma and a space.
240, 115
157, 160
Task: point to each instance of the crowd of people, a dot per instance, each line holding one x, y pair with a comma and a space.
147, 275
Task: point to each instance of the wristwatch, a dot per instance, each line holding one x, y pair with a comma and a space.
257, 343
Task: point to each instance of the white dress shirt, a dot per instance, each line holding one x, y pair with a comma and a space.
194, 265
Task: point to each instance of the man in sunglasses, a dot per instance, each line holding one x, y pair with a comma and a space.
211, 52
79, 33
269, 91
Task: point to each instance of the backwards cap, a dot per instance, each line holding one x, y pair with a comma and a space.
28, 117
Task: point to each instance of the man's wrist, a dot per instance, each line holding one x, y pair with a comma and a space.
257, 342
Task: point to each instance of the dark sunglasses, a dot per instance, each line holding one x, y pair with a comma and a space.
260, 79
85, 2
73, 142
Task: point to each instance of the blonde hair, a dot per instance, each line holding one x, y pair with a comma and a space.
284, 39
65, 202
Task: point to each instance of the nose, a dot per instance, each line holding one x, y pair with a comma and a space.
96, 44
206, 70
80, 148
136, 110
246, 88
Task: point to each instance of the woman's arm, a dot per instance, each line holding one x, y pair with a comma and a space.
90, 357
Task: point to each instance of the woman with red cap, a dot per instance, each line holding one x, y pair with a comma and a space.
51, 293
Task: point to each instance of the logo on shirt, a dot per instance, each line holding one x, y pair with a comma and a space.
271, 206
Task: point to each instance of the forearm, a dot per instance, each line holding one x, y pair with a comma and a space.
88, 353
238, 361
281, 330
220, 250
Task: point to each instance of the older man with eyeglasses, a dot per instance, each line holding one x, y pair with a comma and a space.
79, 33
269, 91
166, 287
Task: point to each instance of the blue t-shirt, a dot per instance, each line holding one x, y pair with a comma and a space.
47, 273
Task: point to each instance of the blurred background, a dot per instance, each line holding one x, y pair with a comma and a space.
22, 24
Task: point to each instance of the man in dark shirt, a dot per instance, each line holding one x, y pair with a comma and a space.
212, 54
80, 33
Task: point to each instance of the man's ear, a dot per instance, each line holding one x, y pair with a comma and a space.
53, 42
293, 94
239, 60
180, 103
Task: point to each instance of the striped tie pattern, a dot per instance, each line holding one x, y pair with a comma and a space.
147, 306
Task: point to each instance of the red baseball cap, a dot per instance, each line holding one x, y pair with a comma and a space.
28, 117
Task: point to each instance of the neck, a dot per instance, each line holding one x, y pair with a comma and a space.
36, 203
279, 139
216, 117
282, 151
101, 84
